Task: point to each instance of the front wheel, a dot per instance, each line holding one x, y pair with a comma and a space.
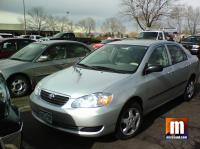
189, 90
129, 121
18, 86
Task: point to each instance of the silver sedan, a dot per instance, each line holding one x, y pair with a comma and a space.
114, 87
25, 68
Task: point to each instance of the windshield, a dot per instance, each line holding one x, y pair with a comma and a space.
148, 35
58, 35
115, 58
192, 39
7, 36
30, 52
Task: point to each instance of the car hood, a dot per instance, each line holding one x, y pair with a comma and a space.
8, 63
189, 43
77, 82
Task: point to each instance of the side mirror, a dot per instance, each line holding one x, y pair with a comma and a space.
42, 59
153, 68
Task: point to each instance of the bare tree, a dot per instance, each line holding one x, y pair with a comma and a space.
176, 18
52, 23
145, 12
63, 24
87, 25
193, 19
113, 25
36, 19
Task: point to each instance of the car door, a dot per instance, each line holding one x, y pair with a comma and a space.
75, 52
8, 48
180, 68
158, 84
50, 61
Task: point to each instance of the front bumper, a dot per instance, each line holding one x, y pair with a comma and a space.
87, 122
194, 51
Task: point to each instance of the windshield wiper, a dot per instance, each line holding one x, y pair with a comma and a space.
110, 69
18, 59
86, 66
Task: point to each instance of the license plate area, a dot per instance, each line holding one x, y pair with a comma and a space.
46, 116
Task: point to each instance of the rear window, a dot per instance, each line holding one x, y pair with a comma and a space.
7, 36
192, 39
148, 35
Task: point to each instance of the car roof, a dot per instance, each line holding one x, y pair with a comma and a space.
4, 39
51, 42
152, 31
140, 42
5, 34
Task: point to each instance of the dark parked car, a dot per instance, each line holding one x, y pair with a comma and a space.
192, 43
63, 36
10, 123
6, 35
29, 65
9, 46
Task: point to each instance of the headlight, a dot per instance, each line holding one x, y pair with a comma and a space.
195, 46
93, 100
37, 89
3, 92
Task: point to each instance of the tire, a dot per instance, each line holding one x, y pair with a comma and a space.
189, 90
129, 124
18, 86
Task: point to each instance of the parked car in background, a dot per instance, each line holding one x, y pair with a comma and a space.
192, 43
44, 39
153, 35
9, 46
24, 36
6, 35
35, 37
10, 123
103, 42
26, 67
72, 36
114, 87
63, 36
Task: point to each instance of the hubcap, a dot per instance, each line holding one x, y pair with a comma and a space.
130, 122
18, 87
190, 89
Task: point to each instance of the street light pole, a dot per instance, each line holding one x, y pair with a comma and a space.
24, 17
70, 23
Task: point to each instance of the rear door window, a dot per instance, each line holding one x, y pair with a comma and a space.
177, 54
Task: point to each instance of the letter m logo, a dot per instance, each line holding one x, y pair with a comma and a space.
176, 127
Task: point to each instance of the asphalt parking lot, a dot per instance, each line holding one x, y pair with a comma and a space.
152, 135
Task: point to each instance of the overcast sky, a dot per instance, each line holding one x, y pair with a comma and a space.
12, 10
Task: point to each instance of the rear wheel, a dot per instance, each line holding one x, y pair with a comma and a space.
129, 121
18, 86
189, 90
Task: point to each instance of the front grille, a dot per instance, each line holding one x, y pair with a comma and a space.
53, 98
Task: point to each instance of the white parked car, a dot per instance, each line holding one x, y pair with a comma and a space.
35, 37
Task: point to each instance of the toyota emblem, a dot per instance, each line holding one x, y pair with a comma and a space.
51, 96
